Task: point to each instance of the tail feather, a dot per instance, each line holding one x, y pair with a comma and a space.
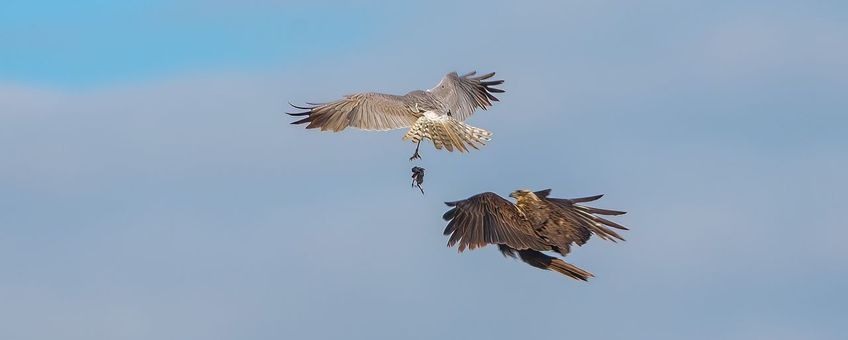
446, 132
542, 261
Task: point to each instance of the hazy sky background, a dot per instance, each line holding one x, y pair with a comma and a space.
151, 188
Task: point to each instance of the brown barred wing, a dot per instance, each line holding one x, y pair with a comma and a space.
489, 219
581, 220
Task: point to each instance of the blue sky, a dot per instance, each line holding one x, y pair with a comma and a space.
153, 189
90, 43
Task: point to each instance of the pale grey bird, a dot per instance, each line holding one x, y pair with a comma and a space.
436, 114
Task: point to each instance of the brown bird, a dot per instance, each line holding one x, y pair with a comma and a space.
535, 223
437, 114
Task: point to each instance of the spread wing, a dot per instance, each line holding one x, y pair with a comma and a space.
367, 111
489, 219
579, 221
464, 94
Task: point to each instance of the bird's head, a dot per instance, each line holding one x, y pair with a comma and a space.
518, 194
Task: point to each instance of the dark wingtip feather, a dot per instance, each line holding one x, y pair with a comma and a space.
486, 76
605, 211
300, 107
543, 193
449, 214
610, 223
297, 113
449, 229
304, 120
586, 199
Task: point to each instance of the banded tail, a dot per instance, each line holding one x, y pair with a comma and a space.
447, 132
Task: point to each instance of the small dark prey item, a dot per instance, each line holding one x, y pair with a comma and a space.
418, 177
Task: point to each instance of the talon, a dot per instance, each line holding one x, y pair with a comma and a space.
416, 155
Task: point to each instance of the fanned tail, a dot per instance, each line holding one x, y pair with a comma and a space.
448, 133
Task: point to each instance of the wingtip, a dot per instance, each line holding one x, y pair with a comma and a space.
302, 121
586, 199
301, 107
543, 192
447, 216
492, 82
486, 76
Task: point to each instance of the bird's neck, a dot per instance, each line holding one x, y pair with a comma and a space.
529, 206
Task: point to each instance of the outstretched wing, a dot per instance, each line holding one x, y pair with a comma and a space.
464, 94
367, 111
489, 219
578, 221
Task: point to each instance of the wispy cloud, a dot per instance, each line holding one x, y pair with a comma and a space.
186, 206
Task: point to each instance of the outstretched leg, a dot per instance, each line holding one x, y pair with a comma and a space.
416, 155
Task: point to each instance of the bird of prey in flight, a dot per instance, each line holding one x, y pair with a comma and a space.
535, 223
437, 114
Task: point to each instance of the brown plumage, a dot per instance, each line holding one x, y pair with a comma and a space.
535, 223
437, 114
